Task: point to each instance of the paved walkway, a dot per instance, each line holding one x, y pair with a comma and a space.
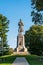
20, 61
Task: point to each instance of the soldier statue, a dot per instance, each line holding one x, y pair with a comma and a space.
20, 38
20, 24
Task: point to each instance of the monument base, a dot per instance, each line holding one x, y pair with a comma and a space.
21, 49
21, 40
21, 53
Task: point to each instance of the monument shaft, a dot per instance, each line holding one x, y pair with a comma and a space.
20, 38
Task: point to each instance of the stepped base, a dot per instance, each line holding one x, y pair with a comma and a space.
21, 53
21, 49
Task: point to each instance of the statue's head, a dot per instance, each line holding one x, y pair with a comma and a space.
20, 23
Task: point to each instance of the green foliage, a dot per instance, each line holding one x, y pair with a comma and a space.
3, 30
37, 4
11, 50
37, 18
34, 39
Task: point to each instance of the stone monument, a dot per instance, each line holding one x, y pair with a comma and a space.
20, 38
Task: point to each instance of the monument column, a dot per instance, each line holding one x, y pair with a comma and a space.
20, 38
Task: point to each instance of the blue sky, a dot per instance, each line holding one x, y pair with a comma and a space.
14, 10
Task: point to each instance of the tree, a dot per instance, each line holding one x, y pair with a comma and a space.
34, 39
37, 18
11, 50
36, 14
37, 4
3, 30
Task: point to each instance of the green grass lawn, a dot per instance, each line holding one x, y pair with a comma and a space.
7, 60
32, 59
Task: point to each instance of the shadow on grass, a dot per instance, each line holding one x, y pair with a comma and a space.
33, 60
7, 59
